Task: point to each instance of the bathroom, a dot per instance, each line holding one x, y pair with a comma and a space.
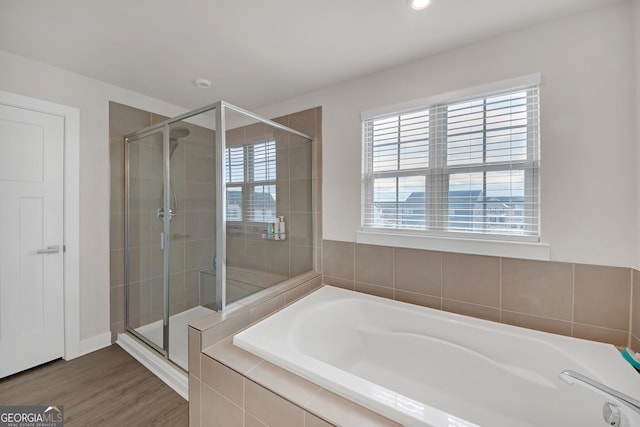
586, 285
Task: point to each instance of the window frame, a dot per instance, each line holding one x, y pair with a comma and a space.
249, 181
438, 173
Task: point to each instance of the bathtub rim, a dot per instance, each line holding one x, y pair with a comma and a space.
619, 376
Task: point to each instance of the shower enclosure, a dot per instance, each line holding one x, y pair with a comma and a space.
217, 207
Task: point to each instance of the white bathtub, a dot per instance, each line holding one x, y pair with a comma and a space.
424, 367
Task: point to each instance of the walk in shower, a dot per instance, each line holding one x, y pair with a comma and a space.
218, 206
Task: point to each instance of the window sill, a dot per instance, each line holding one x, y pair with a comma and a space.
508, 249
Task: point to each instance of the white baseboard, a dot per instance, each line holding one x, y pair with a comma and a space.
95, 343
174, 377
88, 345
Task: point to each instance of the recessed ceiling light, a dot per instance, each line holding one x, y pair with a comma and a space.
419, 4
202, 83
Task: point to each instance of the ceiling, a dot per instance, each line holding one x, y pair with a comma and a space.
255, 52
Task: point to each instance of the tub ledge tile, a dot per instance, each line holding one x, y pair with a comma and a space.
340, 411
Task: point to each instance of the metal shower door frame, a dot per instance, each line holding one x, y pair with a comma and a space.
128, 140
220, 108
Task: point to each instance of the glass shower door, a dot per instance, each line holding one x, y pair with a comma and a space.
144, 225
192, 231
170, 234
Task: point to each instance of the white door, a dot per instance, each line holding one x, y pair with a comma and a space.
31, 238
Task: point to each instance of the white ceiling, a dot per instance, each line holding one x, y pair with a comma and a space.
255, 52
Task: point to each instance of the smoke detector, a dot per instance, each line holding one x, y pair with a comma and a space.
202, 83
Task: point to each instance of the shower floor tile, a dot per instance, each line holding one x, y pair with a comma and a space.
178, 331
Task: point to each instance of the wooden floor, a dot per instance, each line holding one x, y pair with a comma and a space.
107, 388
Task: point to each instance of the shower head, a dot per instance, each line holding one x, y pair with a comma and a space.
173, 144
176, 134
179, 132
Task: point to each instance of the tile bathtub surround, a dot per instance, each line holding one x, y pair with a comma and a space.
585, 301
215, 327
252, 391
245, 386
471, 278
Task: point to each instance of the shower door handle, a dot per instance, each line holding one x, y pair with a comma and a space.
164, 240
53, 249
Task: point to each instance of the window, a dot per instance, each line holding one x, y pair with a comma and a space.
468, 166
250, 172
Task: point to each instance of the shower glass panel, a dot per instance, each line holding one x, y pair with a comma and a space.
268, 205
144, 256
218, 207
192, 237
300, 205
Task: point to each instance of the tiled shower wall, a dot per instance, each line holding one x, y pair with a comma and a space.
585, 301
298, 179
305, 209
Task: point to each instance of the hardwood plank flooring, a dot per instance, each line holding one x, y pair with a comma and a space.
107, 387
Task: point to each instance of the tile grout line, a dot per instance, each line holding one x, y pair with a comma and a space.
573, 296
354, 266
393, 272
200, 385
441, 280
500, 291
631, 289
244, 401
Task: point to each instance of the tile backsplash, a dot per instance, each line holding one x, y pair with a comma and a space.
593, 302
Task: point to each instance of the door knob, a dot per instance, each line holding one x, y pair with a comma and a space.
53, 249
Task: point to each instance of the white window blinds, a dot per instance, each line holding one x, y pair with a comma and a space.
250, 172
467, 166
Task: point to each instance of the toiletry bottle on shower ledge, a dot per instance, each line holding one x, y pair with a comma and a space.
276, 229
281, 229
